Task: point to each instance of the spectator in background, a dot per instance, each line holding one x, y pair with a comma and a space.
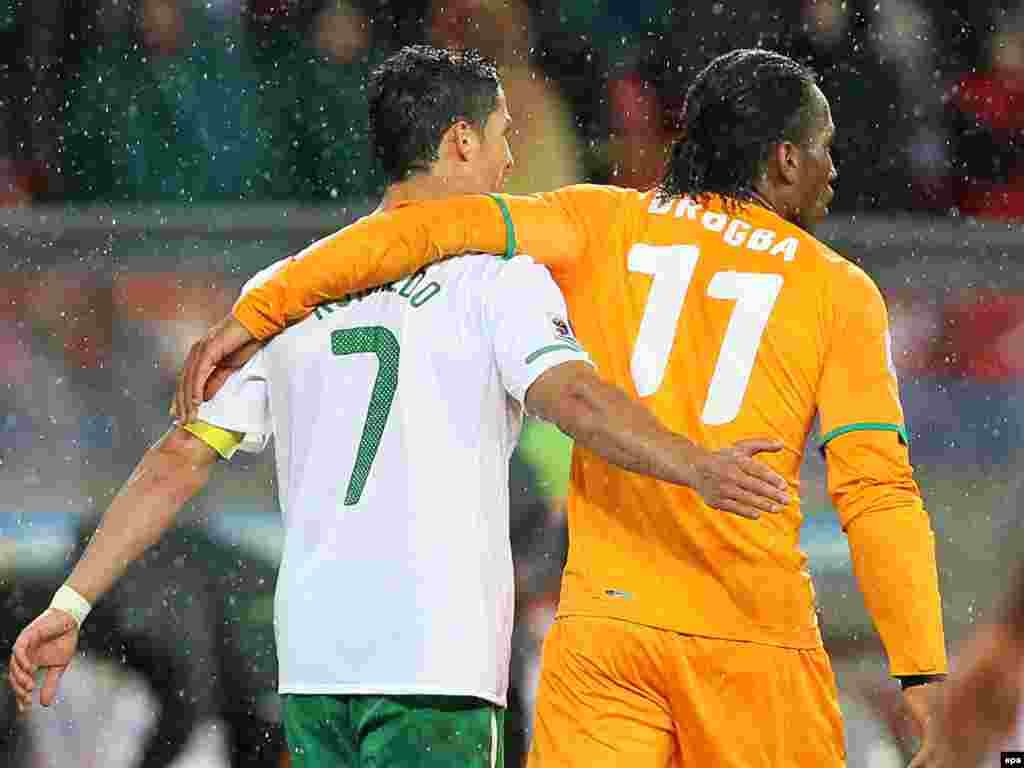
659, 48
987, 113
313, 73
544, 139
21, 178
904, 38
981, 706
854, 47
599, 52
168, 111
638, 132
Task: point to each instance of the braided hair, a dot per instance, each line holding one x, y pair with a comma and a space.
739, 106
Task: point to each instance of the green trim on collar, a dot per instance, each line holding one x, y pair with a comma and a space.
510, 229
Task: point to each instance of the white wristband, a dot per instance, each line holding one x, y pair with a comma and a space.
67, 600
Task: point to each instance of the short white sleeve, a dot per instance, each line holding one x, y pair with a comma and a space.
529, 325
243, 405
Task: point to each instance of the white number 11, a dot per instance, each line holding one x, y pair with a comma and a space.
755, 293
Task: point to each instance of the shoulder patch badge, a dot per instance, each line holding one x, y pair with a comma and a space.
561, 329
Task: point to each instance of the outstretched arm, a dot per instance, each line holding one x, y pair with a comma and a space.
604, 419
388, 245
169, 474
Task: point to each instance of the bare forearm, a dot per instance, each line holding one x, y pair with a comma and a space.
620, 430
144, 508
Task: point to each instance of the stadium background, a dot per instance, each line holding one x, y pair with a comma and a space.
154, 153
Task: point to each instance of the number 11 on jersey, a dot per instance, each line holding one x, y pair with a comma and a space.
755, 294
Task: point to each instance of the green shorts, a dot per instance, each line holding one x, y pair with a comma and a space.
373, 731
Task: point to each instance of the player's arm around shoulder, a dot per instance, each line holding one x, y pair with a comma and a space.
545, 368
604, 419
559, 228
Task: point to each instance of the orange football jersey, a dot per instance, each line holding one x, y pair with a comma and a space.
729, 323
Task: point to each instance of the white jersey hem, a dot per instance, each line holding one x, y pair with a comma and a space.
366, 689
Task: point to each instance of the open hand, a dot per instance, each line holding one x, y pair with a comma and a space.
733, 481
48, 643
227, 344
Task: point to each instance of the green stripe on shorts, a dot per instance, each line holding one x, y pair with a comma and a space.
354, 731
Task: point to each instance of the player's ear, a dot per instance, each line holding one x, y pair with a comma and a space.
787, 158
464, 139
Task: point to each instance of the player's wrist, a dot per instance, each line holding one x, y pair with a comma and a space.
68, 600
913, 681
696, 460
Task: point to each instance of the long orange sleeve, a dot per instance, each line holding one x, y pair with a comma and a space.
375, 250
892, 547
871, 481
385, 246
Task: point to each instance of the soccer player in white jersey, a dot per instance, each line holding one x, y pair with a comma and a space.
394, 415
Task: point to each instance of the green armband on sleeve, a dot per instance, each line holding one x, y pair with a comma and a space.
865, 426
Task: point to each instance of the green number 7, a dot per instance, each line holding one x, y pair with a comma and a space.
381, 342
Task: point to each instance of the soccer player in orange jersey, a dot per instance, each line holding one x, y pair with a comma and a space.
683, 637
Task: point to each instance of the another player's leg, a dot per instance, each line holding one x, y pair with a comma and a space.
744, 705
599, 701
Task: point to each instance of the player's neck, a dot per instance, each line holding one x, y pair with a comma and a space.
763, 200
427, 186
772, 198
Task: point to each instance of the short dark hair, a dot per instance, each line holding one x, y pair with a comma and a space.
419, 93
739, 106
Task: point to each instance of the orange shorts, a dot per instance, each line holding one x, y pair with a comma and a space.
614, 693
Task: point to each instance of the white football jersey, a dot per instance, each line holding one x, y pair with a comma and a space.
394, 415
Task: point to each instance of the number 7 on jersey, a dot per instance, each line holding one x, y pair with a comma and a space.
379, 341
755, 294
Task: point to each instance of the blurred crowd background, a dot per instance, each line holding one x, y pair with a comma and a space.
253, 100
155, 153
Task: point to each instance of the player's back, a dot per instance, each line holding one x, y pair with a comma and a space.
723, 321
393, 432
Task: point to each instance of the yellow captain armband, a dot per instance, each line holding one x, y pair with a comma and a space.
224, 441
